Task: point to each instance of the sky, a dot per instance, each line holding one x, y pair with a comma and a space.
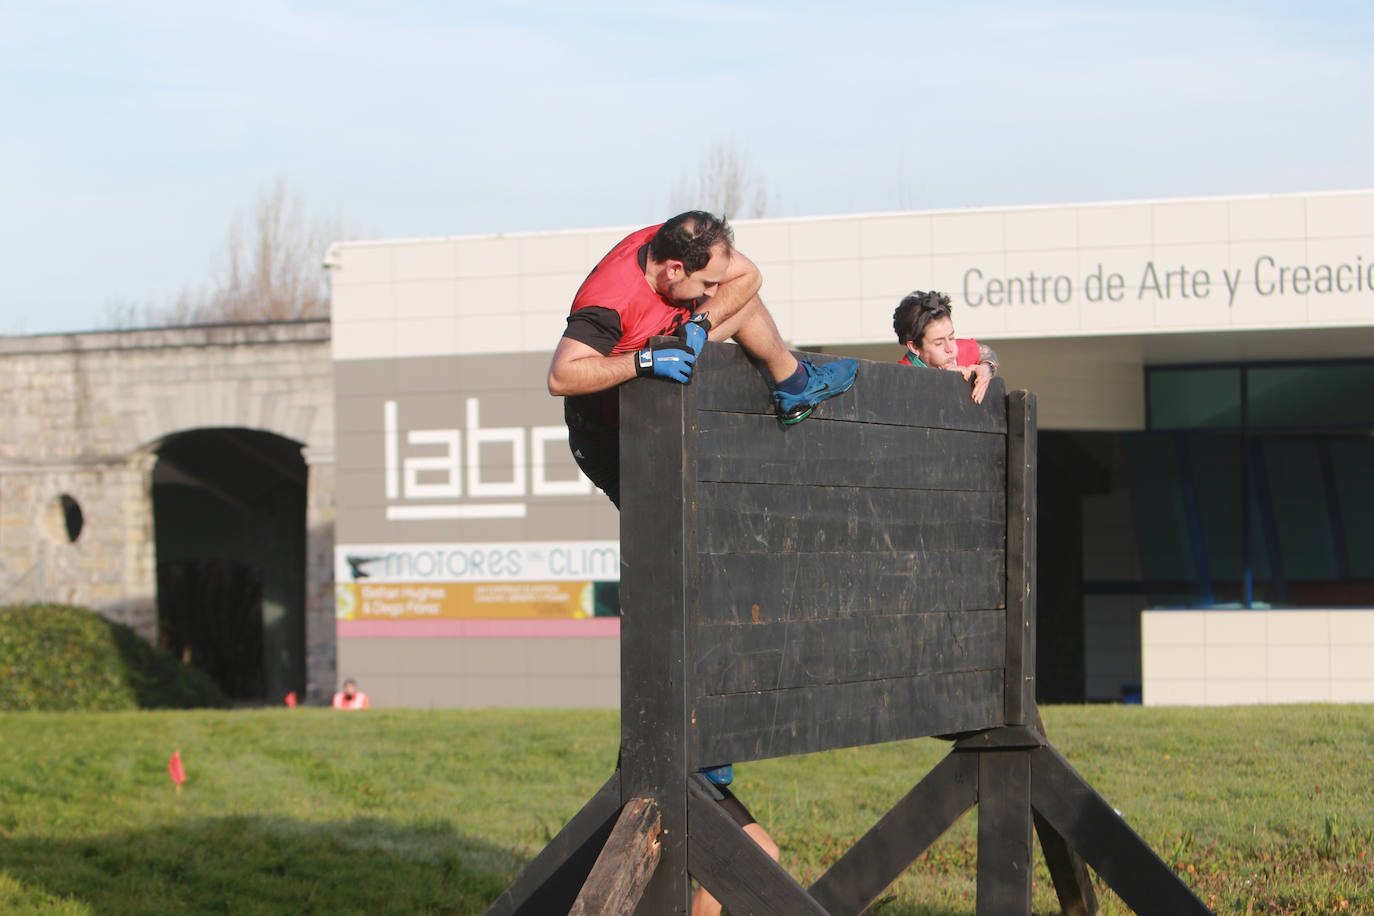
133, 133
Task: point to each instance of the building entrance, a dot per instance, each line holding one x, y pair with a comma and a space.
229, 521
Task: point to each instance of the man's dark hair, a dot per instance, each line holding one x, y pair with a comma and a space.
689, 238
917, 310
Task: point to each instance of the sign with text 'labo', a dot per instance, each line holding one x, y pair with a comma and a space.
458, 497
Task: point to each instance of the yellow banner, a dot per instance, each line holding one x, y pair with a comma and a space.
460, 600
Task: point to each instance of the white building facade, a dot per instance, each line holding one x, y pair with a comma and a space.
1204, 370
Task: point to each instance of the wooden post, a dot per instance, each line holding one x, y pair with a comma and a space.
1102, 837
880, 856
1021, 482
625, 864
551, 882
658, 473
738, 873
1005, 836
1068, 872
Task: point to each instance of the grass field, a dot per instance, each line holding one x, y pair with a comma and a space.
1264, 810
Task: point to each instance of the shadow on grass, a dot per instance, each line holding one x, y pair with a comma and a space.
267, 865
261, 865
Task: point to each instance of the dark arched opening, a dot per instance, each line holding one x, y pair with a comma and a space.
229, 516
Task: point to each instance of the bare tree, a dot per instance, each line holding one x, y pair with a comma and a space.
271, 270
722, 185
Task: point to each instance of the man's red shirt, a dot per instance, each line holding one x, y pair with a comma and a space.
615, 310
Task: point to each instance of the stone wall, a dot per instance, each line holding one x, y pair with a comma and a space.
81, 417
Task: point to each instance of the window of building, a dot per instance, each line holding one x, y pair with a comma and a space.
1252, 486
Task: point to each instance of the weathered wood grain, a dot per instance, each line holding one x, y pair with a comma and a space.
749, 657
746, 448
778, 723
626, 863
808, 586
742, 518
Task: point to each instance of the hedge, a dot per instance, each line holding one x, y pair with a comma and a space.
61, 657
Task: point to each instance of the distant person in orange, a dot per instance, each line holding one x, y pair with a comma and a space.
350, 697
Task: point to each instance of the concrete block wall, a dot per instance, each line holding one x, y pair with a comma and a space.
1220, 658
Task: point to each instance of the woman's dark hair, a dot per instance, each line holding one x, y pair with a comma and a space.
917, 310
689, 238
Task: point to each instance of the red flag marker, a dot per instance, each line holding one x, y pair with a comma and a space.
291, 698
177, 771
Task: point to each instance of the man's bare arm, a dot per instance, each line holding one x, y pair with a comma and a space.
579, 369
740, 286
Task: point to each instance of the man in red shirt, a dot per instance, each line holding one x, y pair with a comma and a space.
924, 326
683, 278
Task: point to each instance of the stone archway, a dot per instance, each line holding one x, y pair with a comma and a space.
229, 510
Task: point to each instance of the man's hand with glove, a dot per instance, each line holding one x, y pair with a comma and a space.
672, 358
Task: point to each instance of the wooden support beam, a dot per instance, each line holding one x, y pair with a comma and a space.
1012, 736
657, 600
1099, 834
738, 873
552, 880
880, 856
1004, 833
626, 863
1068, 872
1021, 483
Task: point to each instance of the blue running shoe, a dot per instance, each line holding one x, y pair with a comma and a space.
721, 775
826, 381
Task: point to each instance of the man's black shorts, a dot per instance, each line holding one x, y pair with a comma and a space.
595, 447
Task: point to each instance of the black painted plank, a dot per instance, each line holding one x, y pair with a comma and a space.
1068, 872
553, 879
882, 393
739, 874
778, 518
797, 586
736, 658
1005, 835
880, 856
1102, 837
745, 448
1021, 488
727, 380
656, 449
778, 723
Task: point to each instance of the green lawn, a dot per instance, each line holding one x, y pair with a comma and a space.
1264, 810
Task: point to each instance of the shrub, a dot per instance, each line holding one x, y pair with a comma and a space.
56, 657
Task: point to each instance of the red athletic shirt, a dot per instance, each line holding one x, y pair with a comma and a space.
615, 311
966, 353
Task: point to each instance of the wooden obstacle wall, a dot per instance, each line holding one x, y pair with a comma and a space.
864, 576
838, 582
